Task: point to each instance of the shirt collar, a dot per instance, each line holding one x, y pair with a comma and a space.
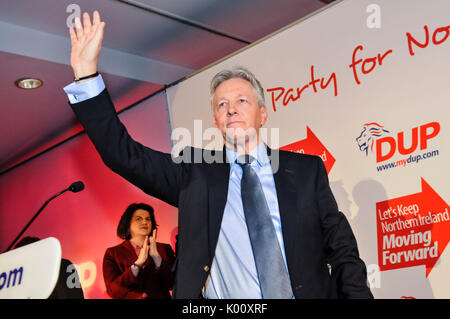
136, 247
259, 153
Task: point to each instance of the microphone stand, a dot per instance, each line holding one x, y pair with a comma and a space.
34, 217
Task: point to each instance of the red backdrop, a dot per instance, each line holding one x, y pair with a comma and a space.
85, 223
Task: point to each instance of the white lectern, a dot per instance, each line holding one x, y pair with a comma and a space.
31, 271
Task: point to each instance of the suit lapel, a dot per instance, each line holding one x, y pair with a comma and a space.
287, 193
130, 249
218, 179
287, 187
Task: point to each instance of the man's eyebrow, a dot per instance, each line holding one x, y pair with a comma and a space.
217, 99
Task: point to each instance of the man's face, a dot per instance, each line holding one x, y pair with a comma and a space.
236, 111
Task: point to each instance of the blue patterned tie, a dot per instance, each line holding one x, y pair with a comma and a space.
272, 273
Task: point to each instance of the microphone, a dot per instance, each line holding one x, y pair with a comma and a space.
74, 188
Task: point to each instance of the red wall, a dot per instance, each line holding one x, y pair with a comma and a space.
85, 223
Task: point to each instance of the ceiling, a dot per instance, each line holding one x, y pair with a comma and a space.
147, 44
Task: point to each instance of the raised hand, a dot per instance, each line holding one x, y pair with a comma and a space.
153, 252
143, 254
86, 44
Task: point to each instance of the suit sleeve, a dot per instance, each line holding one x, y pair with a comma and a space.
152, 171
348, 270
118, 284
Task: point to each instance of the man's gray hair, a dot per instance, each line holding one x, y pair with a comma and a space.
240, 73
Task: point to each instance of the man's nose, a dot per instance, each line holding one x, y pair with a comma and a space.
231, 109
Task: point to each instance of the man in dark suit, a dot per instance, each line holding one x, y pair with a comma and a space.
265, 225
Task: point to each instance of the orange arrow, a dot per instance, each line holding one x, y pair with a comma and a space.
412, 230
441, 229
312, 146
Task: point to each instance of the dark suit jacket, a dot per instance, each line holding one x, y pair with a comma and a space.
120, 281
315, 233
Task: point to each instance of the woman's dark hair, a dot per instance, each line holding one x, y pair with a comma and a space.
123, 229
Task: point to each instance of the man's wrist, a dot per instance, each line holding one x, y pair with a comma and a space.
84, 78
82, 81
83, 70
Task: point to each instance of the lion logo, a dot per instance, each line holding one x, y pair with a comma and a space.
370, 132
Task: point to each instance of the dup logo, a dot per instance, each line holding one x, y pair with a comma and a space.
376, 139
370, 133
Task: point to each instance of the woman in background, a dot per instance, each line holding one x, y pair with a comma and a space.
138, 268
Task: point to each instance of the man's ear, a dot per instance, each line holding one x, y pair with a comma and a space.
264, 114
215, 119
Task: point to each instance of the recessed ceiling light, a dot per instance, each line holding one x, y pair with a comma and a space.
28, 83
